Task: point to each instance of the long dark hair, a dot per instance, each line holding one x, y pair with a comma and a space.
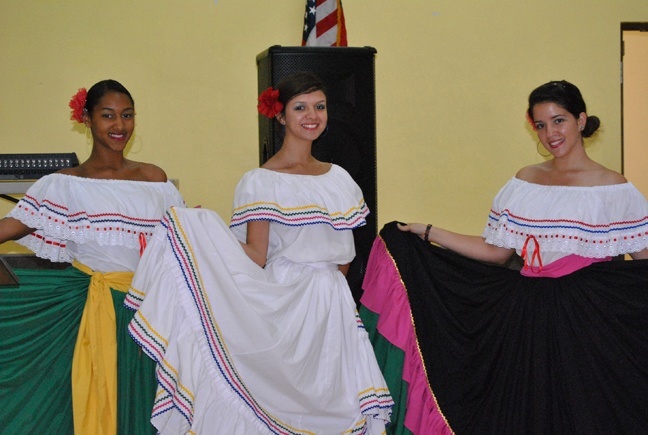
567, 96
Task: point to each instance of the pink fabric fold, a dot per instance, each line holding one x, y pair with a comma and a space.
561, 267
385, 294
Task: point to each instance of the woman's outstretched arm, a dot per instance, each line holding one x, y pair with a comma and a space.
474, 247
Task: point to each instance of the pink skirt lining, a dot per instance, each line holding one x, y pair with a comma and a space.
386, 295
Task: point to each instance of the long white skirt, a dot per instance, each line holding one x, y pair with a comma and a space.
246, 350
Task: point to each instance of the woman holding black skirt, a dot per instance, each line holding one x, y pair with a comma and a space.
560, 346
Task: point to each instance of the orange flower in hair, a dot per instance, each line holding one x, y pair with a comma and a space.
269, 104
77, 104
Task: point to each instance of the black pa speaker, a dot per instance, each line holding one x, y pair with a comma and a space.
350, 142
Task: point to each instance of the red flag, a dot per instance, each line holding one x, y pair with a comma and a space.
324, 24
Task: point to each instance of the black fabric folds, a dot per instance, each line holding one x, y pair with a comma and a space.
510, 354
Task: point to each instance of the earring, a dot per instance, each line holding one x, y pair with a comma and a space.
538, 150
88, 134
136, 143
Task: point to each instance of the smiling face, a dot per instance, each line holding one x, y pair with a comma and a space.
305, 116
558, 130
112, 121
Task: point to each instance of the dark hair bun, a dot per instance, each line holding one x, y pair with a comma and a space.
592, 124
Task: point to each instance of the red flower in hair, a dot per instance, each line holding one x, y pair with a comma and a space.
269, 104
77, 104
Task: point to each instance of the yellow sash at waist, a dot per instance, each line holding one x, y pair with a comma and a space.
94, 366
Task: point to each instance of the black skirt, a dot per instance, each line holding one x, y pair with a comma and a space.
504, 353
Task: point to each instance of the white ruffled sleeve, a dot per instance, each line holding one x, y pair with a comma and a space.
67, 210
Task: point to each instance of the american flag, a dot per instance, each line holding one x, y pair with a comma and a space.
324, 24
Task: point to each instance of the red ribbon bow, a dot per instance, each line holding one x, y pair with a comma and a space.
528, 263
142, 243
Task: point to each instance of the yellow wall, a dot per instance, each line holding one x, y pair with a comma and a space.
452, 82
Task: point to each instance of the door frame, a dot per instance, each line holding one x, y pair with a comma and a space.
626, 26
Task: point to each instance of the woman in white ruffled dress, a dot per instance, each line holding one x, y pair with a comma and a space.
254, 328
67, 364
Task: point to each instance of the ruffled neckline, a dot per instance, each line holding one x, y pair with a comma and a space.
591, 221
332, 198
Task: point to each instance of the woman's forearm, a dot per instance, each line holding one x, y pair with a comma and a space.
13, 229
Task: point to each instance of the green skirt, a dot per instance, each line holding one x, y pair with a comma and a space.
390, 360
39, 322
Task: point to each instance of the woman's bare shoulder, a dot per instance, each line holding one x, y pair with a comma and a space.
532, 173
273, 164
77, 171
590, 174
312, 167
606, 176
135, 171
151, 172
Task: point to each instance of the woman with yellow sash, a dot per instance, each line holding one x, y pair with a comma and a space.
67, 363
